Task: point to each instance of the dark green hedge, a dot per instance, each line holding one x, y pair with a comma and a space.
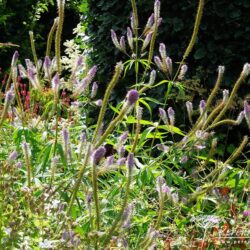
223, 38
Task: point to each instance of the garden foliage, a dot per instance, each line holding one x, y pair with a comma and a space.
131, 182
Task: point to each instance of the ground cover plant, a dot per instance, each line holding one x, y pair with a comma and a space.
125, 183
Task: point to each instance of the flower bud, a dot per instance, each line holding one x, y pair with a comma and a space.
225, 95
246, 69
98, 103
221, 70
150, 21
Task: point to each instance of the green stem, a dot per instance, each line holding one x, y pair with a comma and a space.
50, 37
58, 37
113, 82
95, 194
194, 35
33, 48
79, 179
124, 205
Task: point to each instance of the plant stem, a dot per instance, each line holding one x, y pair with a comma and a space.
50, 37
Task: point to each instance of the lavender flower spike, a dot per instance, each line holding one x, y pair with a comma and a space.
55, 83
150, 21
147, 41
94, 90
14, 59
123, 44
158, 62
123, 137
202, 106
152, 77
171, 116
130, 161
91, 74
169, 65
13, 156
130, 38
162, 50
132, 97
163, 115
98, 155
157, 7
114, 39
184, 69
9, 97
247, 113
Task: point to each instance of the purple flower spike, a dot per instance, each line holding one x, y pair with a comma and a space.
147, 41
171, 115
169, 65
202, 106
47, 62
98, 155
163, 115
152, 77
189, 106
158, 62
14, 59
132, 97
130, 38
65, 135
159, 21
79, 61
123, 44
92, 72
247, 112
13, 156
184, 69
162, 50
110, 161
157, 7
114, 39
9, 96
150, 21
94, 90
130, 161
121, 161
123, 137
55, 82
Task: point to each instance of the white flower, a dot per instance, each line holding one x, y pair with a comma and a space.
46, 244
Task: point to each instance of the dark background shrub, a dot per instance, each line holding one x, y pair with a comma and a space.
223, 38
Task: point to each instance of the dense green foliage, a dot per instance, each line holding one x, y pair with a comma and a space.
129, 180
223, 38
